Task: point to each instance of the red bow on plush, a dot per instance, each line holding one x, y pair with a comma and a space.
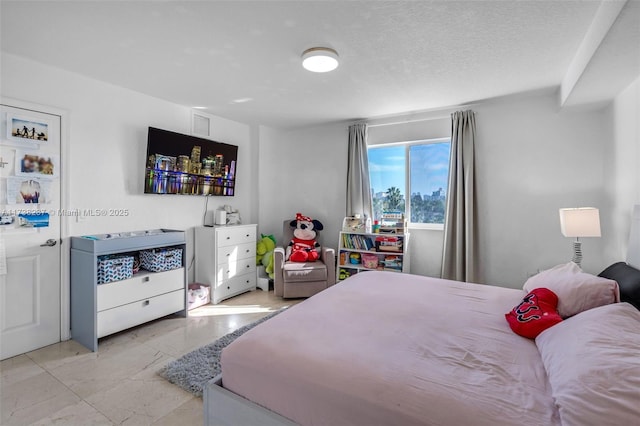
299, 217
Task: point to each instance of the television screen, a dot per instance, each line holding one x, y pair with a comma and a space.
189, 165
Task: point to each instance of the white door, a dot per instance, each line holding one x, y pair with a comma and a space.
30, 283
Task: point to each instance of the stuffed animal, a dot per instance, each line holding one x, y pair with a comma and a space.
266, 244
303, 247
264, 253
268, 263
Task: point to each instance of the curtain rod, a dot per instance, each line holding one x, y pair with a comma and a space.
409, 121
415, 120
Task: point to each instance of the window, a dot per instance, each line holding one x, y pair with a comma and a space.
417, 168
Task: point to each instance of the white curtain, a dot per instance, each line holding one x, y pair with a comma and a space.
459, 258
358, 187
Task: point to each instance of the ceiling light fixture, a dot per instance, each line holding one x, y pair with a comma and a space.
320, 59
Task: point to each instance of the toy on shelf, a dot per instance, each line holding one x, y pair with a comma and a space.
369, 261
393, 222
353, 224
344, 274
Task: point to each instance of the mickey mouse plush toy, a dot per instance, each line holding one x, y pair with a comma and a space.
303, 247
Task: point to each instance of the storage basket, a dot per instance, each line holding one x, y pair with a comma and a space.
369, 260
114, 268
159, 260
198, 295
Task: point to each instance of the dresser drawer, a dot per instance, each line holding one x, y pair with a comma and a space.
125, 316
233, 286
233, 269
142, 286
232, 236
229, 254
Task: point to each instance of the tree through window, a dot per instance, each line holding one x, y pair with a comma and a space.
418, 168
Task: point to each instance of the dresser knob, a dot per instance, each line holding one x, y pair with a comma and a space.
145, 303
228, 238
228, 288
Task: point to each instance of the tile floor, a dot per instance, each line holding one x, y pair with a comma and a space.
66, 384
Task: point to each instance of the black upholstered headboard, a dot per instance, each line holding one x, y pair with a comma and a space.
628, 279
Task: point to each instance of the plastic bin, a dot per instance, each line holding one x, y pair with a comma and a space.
369, 260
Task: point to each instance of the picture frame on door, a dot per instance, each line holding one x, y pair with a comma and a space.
25, 190
23, 130
36, 165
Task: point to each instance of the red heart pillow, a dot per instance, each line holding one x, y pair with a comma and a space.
536, 313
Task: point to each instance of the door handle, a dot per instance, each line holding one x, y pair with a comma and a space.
49, 243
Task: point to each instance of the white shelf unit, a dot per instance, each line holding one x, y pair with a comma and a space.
226, 259
369, 244
98, 310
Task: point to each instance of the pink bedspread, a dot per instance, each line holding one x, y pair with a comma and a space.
384, 348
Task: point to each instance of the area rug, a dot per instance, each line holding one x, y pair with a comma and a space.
192, 371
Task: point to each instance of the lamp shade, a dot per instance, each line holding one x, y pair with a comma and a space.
580, 222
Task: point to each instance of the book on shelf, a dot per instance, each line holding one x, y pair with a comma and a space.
357, 242
392, 249
389, 243
392, 262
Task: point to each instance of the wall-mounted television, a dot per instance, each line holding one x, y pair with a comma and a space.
189, 165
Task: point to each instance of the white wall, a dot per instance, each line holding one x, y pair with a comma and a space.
622, 177
107, 149
303, 171
532, 159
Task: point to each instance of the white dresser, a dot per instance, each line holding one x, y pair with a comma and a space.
226, 259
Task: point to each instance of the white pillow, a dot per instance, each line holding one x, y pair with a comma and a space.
593, 366
577, 291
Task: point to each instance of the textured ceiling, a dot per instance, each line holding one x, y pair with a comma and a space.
241, 59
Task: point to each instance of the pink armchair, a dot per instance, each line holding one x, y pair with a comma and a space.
294, 279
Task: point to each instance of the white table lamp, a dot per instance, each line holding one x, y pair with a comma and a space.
579, 222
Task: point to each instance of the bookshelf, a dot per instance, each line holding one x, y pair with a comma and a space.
358, 252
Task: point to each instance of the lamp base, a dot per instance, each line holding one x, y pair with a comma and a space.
577, 253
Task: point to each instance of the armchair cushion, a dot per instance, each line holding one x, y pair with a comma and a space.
308, 271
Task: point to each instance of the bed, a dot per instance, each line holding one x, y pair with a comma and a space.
384, 348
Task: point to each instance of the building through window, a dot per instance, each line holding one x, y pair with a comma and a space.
420, 169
